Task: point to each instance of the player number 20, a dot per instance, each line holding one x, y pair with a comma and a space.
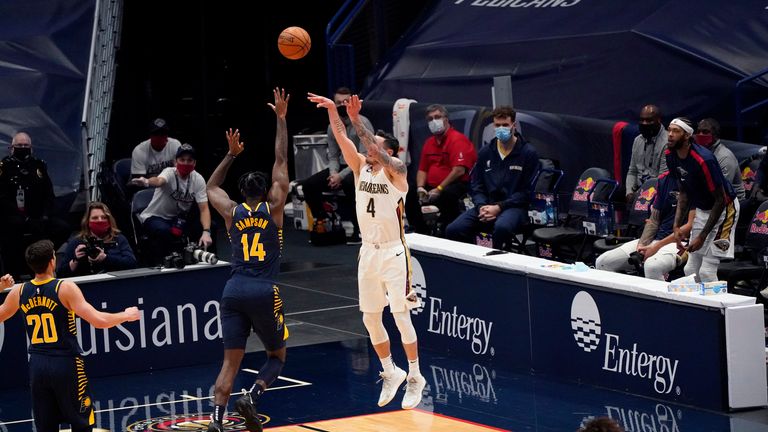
256, 249
44, 321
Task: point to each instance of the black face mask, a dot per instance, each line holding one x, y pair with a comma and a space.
342, 111
22, 153
649, 131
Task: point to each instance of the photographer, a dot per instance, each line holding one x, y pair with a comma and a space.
167, 219
99, 247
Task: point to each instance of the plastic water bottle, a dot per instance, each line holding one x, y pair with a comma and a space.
549, 211
602, 223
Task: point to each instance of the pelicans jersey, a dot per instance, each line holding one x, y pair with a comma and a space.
380, 207
251, 300
384, 271
256, 242
57, 373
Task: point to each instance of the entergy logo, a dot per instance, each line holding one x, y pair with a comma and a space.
448, 321
585, 321
630, 361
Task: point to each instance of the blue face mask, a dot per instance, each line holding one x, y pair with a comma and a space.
503, 133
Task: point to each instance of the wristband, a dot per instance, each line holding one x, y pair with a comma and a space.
208, 230
232, 155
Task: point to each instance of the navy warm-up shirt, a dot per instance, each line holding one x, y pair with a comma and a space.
699, 175
506, 181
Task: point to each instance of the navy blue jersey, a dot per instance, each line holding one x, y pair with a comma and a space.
666, 204
50, 326
699, 175
256, 242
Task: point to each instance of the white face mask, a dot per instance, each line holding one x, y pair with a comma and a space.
436, 126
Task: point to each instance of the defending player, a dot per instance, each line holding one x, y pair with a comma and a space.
384, 271
57, 373
251, 299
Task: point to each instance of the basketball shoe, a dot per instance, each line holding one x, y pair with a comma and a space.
246, 408
413, 391
392, 382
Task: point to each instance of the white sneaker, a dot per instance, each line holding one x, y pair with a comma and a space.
413, 391
392, 382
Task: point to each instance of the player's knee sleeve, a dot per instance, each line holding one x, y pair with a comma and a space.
271, 370
375, 326
404, 324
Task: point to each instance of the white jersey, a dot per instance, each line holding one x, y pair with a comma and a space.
380, 207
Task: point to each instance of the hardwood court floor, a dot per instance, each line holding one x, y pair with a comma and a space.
396, 421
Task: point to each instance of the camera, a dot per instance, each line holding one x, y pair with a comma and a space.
194, 255
190, 254
92, 246
174, 260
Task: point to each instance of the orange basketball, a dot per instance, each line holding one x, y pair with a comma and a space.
294, 43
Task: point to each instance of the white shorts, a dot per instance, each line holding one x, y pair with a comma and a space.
384, 276
720, 241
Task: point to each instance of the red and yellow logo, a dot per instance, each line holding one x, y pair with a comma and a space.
197, 422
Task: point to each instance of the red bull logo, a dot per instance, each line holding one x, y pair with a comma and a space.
645, 199
748, 178
583, 188
759, 224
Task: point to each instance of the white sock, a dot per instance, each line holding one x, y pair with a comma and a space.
413, 367
387, 364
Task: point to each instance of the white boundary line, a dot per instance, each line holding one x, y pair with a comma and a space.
322, 310
185, 398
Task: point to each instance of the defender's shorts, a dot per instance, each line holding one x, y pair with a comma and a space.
250, 303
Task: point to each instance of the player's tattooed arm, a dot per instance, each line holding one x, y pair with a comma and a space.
650, 228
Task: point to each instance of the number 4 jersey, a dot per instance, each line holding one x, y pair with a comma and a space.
256, 242
380, 207
51, 327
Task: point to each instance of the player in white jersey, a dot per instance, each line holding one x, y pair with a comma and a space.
384, 271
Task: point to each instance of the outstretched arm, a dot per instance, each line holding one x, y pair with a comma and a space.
353, 159
216, 195
392, 164
279, 190
72, 298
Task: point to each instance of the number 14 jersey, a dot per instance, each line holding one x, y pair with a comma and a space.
256, 242
380, 207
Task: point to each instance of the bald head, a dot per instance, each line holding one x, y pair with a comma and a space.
21, 139
650, 112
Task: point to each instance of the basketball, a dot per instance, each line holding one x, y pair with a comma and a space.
294, 43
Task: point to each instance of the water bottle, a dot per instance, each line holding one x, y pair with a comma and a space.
549, 213
602, 223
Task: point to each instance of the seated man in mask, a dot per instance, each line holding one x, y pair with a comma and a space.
166, 220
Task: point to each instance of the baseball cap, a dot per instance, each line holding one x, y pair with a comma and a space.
158, 127
185, 149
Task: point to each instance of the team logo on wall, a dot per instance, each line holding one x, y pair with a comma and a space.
197, 422
585, 321
418, 285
